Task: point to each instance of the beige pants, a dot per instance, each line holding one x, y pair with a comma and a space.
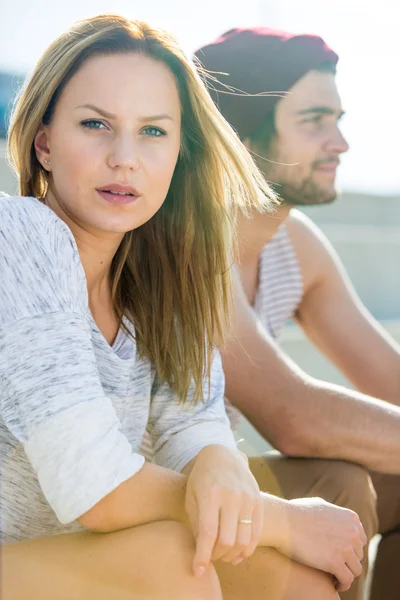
374, 496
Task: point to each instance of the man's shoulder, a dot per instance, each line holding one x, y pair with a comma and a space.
301, 225
305, 234
310, 244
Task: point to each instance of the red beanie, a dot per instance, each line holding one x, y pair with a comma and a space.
257, 61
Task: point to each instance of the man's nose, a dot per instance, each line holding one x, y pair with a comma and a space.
337, 143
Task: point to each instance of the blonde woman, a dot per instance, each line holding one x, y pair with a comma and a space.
114, 283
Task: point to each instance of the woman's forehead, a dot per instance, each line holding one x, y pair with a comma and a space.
122, 84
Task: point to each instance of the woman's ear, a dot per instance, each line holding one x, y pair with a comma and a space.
42, 147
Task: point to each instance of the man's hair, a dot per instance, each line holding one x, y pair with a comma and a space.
252, 68
263, 136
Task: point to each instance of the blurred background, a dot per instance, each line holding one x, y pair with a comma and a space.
364, 224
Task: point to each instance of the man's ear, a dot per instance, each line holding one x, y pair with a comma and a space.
42, 149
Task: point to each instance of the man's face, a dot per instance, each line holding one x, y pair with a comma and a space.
308, 142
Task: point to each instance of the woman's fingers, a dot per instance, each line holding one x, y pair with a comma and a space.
244, 533
228, 523
220, 492
241, 543
221, 535
208, 526
249, 527
256, 529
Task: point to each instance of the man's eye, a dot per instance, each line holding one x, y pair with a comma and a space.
154, 131
92, 124
314, 119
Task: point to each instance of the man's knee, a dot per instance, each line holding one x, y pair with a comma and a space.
269, 574
351, 486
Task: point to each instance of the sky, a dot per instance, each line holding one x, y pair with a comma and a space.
363, 32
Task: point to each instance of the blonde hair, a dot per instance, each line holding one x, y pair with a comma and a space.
171, 279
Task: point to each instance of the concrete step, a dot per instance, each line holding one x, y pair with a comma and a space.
371, 255
353, 208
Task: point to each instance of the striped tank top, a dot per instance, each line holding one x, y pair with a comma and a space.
279, 294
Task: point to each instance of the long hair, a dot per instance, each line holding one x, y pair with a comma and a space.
171, 276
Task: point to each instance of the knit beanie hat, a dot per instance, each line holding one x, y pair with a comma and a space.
254, 67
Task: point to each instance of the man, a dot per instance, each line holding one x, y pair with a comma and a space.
287, 269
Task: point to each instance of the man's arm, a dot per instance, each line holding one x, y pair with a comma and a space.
335, 320
298, 414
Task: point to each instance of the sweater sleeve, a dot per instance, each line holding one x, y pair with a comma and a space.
51, 395
178, 433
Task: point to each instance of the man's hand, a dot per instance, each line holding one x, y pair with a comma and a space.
325, 537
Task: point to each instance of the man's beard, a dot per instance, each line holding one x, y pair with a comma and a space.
297, 191
306, 193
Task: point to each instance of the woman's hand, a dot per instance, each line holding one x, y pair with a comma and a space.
220, 493
322, 536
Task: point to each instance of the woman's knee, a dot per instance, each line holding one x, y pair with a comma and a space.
150, 562
170, 549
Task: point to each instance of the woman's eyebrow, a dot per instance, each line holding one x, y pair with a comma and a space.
108, 115
156, 118
101, 111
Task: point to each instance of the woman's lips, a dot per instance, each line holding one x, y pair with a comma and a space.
117, 199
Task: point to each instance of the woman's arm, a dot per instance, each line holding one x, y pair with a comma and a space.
152, 494
310, 530
219, 488
51, 397
218, 492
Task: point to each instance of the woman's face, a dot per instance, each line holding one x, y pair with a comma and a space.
115, 128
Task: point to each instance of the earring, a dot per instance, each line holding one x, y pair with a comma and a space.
47, 161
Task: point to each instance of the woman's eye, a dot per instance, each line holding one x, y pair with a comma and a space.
154, 131
92, 124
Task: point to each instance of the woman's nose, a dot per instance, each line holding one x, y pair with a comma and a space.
124, 154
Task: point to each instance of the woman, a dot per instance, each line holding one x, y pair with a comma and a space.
115, 280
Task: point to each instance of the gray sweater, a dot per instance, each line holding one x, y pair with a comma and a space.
73, 409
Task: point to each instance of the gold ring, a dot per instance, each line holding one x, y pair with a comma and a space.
246, 521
